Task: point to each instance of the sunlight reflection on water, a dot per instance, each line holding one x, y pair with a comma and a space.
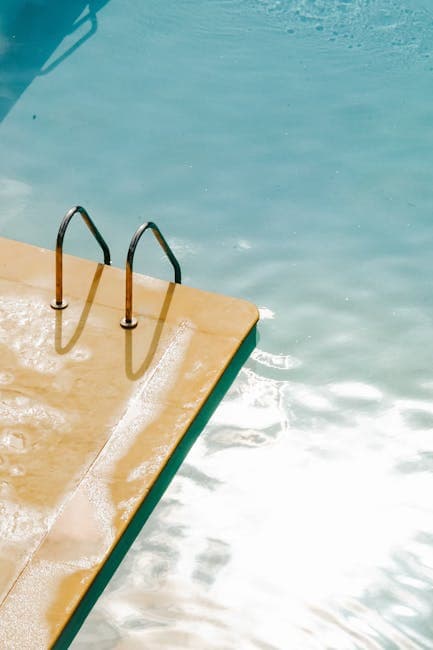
323, 517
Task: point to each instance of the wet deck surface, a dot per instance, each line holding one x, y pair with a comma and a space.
89, 416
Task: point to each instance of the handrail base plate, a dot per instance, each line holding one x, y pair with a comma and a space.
59, 305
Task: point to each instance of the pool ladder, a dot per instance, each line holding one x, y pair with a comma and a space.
128, 321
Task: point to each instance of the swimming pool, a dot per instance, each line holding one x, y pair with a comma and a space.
285, 148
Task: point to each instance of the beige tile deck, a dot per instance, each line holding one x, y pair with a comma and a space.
89, 416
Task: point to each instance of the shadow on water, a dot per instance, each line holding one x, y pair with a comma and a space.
30, 32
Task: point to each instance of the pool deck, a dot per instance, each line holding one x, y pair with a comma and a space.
91, 416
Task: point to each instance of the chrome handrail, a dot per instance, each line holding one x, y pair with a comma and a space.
59, 302
129, 322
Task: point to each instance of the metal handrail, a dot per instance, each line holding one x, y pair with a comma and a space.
129, 322
59, 302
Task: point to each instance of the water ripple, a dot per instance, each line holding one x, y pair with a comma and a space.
390, 27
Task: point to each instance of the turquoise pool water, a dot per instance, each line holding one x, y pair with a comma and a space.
285, 149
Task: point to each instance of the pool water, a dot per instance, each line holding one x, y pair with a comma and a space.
285, 150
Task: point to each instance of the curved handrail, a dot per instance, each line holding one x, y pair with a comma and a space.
59, 302
129, 322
